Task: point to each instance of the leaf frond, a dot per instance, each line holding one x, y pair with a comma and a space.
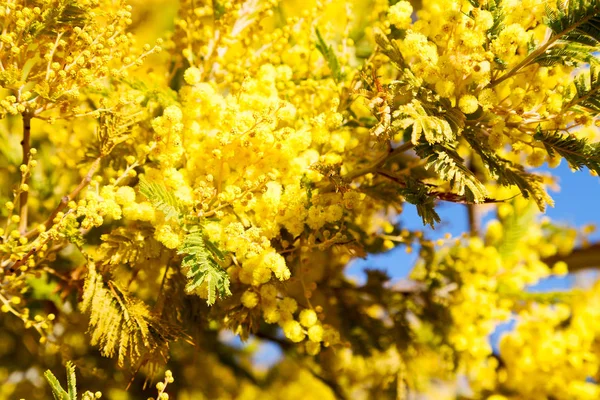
507, 173
450, 167
121, 324
200, 266
330, 56
161, 199
579, 153
128, 245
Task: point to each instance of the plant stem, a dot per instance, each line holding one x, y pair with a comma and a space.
66, 199
373, 167
474, 221
472, 211
581, 258
540, 50
23, 198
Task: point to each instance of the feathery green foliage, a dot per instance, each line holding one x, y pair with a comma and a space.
587, 95
417, 193
579, 153
57, 390
576, 33
434, 129
330, 57
161, 199
446, 162
507, 173
128, 245
71, 393
201, 267
120, 324
390, 49
578, 22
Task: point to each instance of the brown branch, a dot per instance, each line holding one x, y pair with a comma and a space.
474, 221
66, 199
580, 259
17, 264
473, 215
24, 196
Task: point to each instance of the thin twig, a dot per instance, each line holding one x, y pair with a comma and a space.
540, 50
373, 167
66, 199
23, 198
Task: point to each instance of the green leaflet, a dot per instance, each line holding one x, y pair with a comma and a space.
57, 390
161, 199
390, 49
417, 193
434, 129
330, 57
71, 393
507, 173
121, 324
576, 33
579, 153
587, 96
200, 261
446, 162
128, 245
200, 266
579, 22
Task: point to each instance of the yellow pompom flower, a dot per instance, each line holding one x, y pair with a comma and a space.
165, 235
192, 76
308, 318
288, 304
249, 299
468, 104
293, 331
125, 195
400, 14
315, 333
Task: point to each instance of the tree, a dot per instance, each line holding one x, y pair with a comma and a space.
220, 182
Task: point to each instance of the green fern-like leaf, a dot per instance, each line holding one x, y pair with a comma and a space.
161, 198
587, 95
200, 266
330, 57
417, 193
71, 381
57, 390
576, 33
580, 18
515, 228
121, 324
128, 245
569, 54
390, 49
508, 173
432, 128
450, 167
579, 153
71, 393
